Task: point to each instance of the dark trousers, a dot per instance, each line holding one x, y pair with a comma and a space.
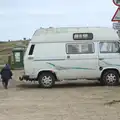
5, 82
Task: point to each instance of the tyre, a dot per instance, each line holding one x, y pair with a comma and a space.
46, 80
102, 83
110, 78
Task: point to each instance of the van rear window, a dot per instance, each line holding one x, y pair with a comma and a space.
31, 49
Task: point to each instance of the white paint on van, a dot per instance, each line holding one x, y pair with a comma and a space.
50, 53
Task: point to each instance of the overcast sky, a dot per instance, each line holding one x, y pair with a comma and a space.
20, 18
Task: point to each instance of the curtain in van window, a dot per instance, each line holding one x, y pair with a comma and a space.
82, 48
73, 49
103, 47
86, 48
111, 47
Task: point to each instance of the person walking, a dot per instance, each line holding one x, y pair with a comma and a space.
6, 75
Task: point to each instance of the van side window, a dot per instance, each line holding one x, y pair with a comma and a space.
81, 48
109, 47
31, 49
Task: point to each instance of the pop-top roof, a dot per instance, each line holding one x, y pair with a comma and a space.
66, 34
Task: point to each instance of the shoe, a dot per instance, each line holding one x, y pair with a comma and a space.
6, 87
3, 84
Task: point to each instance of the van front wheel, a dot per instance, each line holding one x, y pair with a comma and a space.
110, 78
46, 80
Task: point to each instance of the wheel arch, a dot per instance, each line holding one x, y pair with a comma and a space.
47, 71
107, 69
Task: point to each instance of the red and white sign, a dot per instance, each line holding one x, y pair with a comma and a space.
116, 2
116, 17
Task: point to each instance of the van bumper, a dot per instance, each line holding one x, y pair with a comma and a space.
24, 77
27, 78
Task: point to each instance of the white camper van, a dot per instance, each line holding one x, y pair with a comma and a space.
56, 54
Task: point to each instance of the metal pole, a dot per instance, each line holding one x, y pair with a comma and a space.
119, 30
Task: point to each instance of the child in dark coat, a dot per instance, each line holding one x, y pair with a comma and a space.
6, 75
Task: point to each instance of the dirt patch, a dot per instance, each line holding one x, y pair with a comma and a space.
66, 101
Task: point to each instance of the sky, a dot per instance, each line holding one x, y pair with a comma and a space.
20, 18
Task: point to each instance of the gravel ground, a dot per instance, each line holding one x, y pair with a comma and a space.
66, 101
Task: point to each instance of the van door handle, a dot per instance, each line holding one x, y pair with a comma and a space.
30, 57
101, 58
68, 56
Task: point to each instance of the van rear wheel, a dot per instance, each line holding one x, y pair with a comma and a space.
110, 78
46, 80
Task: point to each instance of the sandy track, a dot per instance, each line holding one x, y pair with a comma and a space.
66, 101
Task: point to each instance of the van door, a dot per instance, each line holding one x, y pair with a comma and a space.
28, 60
109, 55
82, 60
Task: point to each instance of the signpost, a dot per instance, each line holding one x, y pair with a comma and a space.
116, 17
116, 26
116, 2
